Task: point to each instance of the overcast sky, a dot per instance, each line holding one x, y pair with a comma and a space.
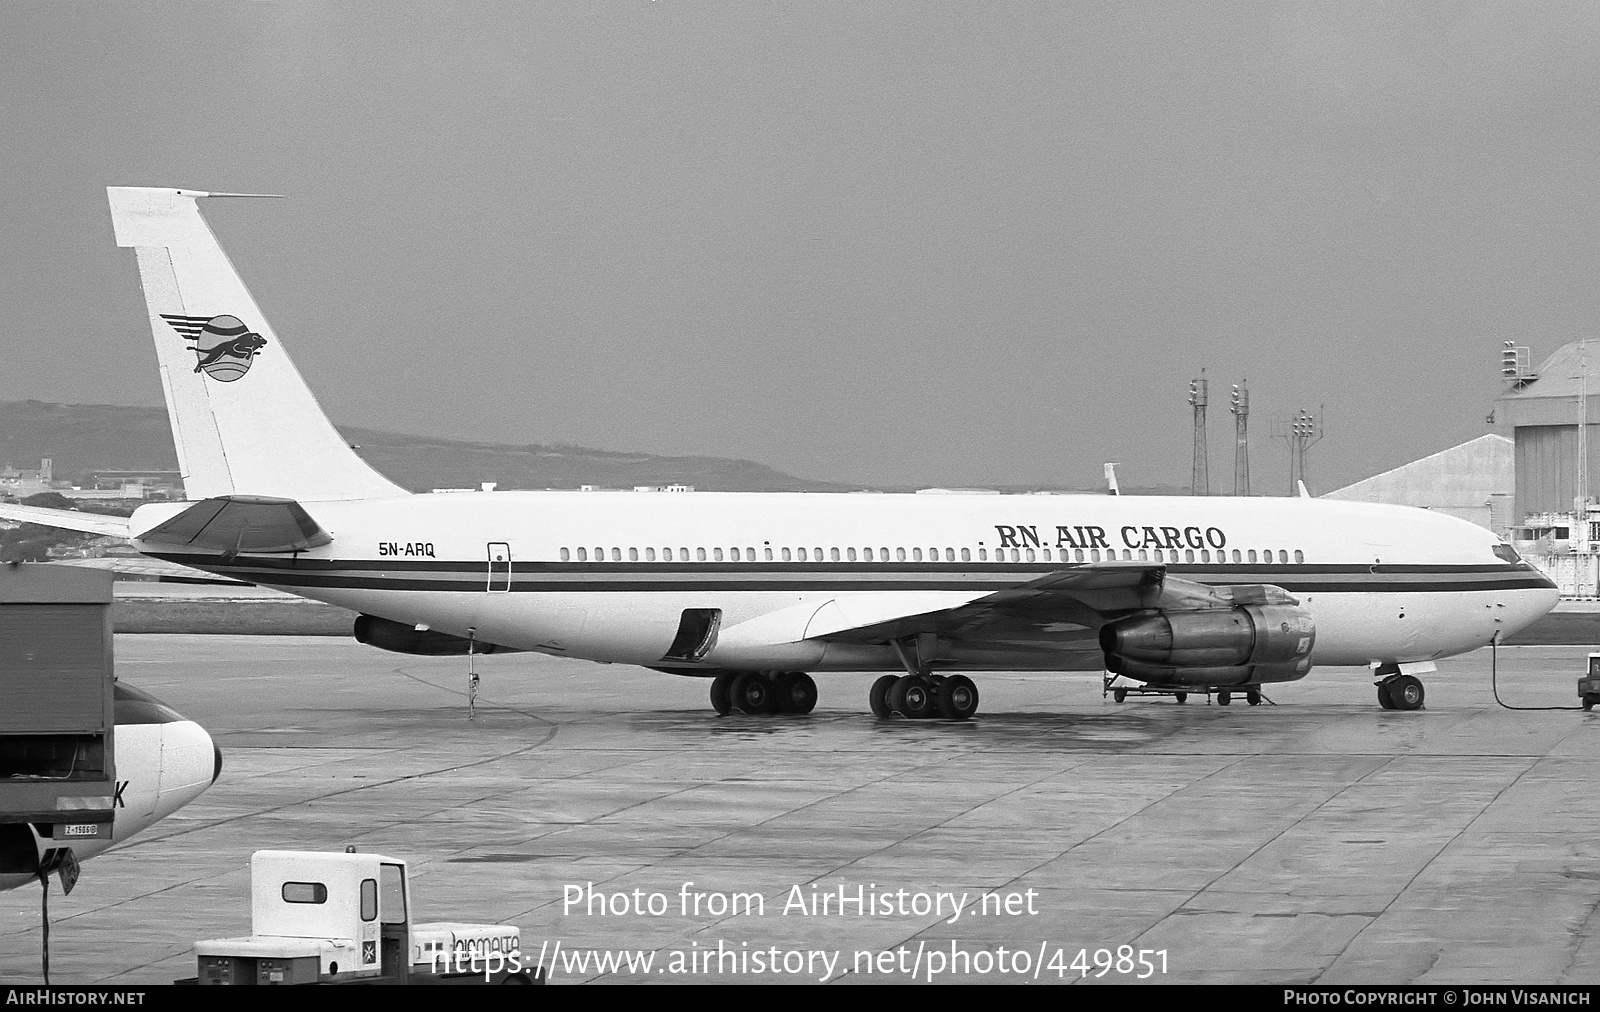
885, 243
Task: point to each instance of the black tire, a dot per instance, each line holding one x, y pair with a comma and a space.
1253, 697
878, 696
1119, 694
752, 693
911, 697
797, 692
958, 698
1383, 696
721, 693
1589, 701
1224, 697
1406, 692
1182, 697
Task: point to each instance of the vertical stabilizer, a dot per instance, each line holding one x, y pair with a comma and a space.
243, 419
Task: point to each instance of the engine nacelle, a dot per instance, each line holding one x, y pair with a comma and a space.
1248, 674
1273, 637
405, 639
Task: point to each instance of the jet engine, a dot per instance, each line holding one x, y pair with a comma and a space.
1226, 646
408, 639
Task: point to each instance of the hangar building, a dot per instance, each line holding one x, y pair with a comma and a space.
1541, 408
1473, 481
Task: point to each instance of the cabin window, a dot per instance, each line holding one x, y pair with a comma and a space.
900, 554
1094, 555
966, 555
750, 554
916, 555
833, 554
1188, 555
1299, 556
583, 555
1030, 555
649, 555
700, 554
850, 554
1283, 556
802, 555
1236, 555
866, 555
733, 555
633, 555
616, 555
816, 553
566, 555
1266, 556
769, 554
788, 555
716, 554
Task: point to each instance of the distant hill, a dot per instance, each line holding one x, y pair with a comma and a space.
84, 437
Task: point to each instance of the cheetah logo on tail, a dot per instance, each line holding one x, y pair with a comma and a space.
223, 345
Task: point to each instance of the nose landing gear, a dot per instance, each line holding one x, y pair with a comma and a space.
1397, 691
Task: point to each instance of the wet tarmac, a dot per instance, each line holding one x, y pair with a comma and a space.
1320, 840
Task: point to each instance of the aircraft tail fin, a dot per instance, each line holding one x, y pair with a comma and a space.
243, 419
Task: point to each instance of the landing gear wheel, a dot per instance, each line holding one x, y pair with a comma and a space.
1253, 697
1405, 692
1119, 694
958, 698
1181, 697
1224, 697
722, 693
1589, 701
753, 694
878, 697
796, 692
1383, 696
910, 697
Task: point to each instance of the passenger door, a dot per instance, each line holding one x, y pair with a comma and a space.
499, 567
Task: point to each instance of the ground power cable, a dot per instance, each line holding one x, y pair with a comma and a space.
1494, 661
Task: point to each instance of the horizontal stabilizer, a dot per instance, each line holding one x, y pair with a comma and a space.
72, 520
242, 523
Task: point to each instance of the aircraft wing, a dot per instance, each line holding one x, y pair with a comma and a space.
1077, 599
72, 520
1060, 610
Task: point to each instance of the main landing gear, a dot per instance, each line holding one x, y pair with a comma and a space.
762, 693
953, 697
1397, 691
919, 693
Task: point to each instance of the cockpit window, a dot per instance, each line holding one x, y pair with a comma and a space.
1505, 553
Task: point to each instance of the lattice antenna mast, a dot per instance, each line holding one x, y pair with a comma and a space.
1301, 432
1240, 406
1200, 476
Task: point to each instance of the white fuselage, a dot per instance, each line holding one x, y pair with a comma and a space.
606, 576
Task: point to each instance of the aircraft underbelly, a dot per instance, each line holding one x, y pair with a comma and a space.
638, 628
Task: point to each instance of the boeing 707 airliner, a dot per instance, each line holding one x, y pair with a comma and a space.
758, 591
